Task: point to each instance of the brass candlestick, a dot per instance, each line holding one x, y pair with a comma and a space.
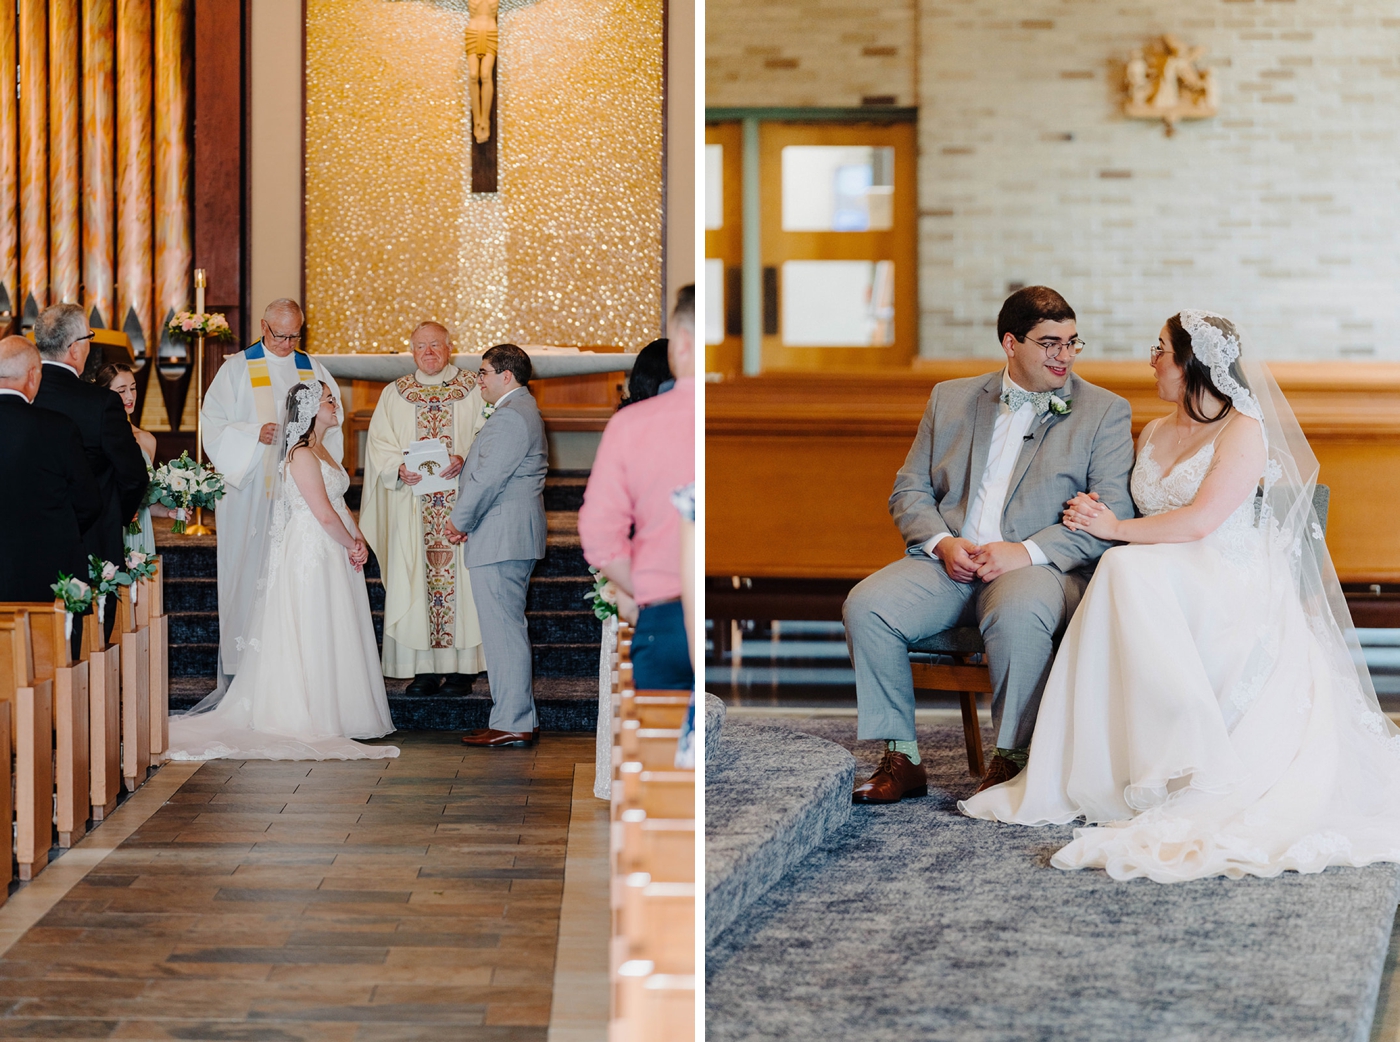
198, 527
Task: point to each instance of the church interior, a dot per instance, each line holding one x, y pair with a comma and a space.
879, 177
516, 172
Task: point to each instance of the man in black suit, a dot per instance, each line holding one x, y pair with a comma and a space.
54, 498
63, 338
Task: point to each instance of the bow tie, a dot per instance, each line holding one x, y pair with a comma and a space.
1014, 398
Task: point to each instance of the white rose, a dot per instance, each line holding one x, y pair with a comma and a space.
608, 593
109, 571
136, 557
80, 587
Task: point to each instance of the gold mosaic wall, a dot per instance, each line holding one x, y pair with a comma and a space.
567, 252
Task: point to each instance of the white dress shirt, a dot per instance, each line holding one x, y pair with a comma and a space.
11, 390
502, 399
63, 365
983, 523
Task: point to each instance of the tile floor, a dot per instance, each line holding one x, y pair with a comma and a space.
375, 901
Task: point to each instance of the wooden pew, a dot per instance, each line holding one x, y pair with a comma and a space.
652, 953
104, 719
31, 703
150, 612
136, 691
53, 660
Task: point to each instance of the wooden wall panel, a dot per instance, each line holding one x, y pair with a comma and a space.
99, 162
219, 239
33, 156
799, 468
65, 237
9, 172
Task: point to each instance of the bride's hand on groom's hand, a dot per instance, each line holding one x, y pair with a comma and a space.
1085, 513
359, 554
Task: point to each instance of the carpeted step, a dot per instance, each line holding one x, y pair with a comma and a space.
714, 724
563, 489
772, 796
190, 595
559, 593
194, 660
563, 704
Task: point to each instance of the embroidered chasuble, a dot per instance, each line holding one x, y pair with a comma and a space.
249, 390
430, 621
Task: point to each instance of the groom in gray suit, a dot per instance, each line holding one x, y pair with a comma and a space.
500, 515
978, 502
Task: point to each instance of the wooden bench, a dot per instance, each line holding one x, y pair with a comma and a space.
652, 953
135, 709
31, 707
104, 719
53, 660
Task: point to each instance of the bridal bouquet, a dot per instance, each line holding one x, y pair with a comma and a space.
183, 484
603, 596
187, 325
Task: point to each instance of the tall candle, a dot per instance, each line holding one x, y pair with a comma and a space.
199, 291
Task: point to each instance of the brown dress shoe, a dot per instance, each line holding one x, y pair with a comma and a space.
490, 739
895, 779
1000, 769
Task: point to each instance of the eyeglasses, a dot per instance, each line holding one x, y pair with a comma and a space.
1155, 352
79, 340
488, 372
1053, 345
286, 338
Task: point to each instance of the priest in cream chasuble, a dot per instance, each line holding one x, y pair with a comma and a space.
242, 419
430, 622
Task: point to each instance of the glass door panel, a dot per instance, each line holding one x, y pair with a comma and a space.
839, 242
724, 248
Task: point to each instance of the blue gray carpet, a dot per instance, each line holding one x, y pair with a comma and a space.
772, 796
914, 923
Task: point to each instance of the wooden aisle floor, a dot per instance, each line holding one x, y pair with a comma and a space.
374, 901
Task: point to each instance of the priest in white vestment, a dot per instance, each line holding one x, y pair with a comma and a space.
242, 416
431, 631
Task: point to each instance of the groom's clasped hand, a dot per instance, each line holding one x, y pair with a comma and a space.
966, 561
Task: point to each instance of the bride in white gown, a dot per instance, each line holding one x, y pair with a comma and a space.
1208, 709
309, 680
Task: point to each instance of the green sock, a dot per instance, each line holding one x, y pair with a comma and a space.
1016, 756
909, 749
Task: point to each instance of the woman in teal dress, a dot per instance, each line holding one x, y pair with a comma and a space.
119, 377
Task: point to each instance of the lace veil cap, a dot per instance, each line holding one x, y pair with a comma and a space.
308, 402
1287, 519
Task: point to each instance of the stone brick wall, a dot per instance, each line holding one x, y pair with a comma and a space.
1282, 213
809, 52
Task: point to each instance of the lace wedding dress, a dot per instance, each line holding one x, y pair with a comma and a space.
309, 681
1195, 713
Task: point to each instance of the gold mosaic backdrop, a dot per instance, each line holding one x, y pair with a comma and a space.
567, 252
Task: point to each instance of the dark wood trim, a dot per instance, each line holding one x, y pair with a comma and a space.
666, 158
301, 289
245, 292
219, 167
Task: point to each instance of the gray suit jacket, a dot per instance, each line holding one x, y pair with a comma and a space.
500, 495
1088, 450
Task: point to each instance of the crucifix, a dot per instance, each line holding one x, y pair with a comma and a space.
481, 39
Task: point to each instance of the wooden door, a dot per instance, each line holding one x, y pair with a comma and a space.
814, 259
724, 248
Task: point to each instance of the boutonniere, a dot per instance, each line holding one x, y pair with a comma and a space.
487, 410
1060, 406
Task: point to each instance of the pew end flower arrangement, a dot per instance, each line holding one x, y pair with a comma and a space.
603, 597
183, 484
76, 596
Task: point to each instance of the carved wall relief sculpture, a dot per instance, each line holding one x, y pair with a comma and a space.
1164, 82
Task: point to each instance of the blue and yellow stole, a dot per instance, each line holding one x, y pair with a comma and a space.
261, 380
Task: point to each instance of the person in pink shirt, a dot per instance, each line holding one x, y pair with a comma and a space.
628, 525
